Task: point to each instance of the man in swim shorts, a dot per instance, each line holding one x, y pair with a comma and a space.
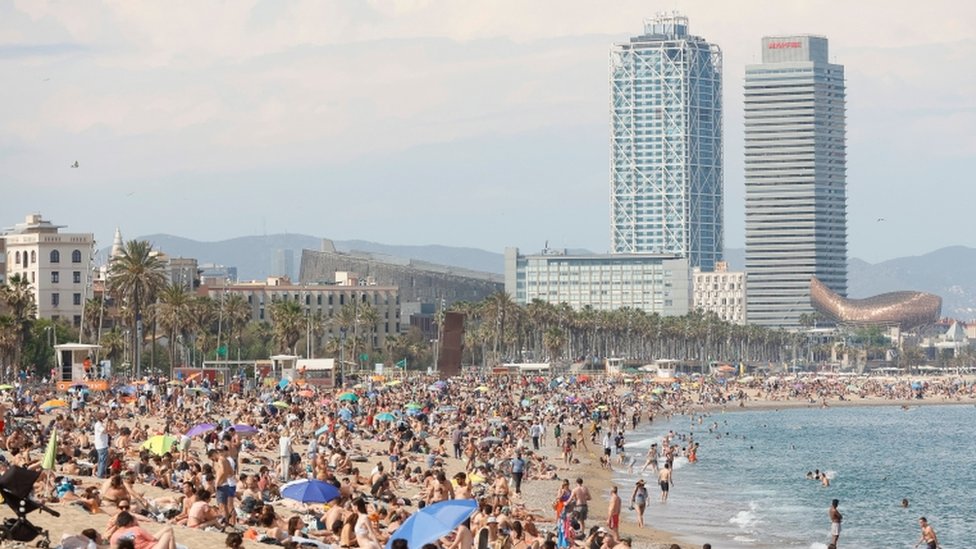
835, 520
666, 480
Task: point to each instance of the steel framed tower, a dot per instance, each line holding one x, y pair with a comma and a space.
666, 144
796, 178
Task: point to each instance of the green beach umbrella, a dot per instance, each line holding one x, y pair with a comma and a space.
385, 416
413, 406
6, 387
657, 390
348, 397
280, 404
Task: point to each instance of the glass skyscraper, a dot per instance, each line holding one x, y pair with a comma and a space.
796, 182
666, 149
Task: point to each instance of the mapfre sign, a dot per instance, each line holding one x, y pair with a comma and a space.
784, 45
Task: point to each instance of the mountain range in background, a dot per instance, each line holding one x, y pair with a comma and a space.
947, 272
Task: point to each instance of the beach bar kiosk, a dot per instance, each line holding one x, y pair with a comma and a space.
76, 366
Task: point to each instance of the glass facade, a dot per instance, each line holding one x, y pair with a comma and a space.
653, 283
666, 144
796, 182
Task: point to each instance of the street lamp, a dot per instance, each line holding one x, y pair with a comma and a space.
342, 357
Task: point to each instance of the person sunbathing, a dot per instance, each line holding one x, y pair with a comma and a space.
200, 514
130, 535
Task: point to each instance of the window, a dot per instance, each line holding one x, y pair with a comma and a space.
76, 256
76, 321
76, 299
33, 256
55, 299
55, 277
17, 258
55, 256
76, 277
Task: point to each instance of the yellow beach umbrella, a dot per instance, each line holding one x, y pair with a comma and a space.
55, 403
160, 444
51, 453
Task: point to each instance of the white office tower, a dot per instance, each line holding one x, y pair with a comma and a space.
795, 162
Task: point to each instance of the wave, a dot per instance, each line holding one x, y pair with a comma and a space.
747, 520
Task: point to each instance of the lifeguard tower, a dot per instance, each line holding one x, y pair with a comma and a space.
75, 366
279, 364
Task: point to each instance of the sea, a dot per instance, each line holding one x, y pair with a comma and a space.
749, 487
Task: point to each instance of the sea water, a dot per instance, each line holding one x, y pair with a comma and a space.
749, 487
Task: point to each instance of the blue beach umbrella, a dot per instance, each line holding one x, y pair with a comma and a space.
322, 430
310, 491
433, 522
385, 416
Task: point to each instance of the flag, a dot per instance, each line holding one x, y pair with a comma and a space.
402, 363
52, 449
222, 351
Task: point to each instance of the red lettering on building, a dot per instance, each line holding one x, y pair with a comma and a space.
783, 45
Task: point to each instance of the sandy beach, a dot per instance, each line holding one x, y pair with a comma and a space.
505, 411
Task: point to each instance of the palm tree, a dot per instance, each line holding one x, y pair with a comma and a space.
554, 341
113, 345
237, 313
18, 296
136, 275
288, 321
174, 312
9, 339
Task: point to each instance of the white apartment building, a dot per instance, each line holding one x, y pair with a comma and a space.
57, 265
722, 292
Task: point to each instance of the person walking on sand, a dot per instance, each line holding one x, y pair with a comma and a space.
580, 498
835, 519
665, 480
284, 454
639, 500
929, 538
613, 512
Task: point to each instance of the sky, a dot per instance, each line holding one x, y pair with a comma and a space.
465, 123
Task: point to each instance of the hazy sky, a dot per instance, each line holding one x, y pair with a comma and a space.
461, 122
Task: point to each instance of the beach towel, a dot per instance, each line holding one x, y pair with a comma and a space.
564, 531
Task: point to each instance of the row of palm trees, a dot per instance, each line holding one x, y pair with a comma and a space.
195, 326
498, 329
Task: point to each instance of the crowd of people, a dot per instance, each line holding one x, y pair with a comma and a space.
168, 455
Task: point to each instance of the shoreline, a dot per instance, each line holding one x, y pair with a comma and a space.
600, 480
